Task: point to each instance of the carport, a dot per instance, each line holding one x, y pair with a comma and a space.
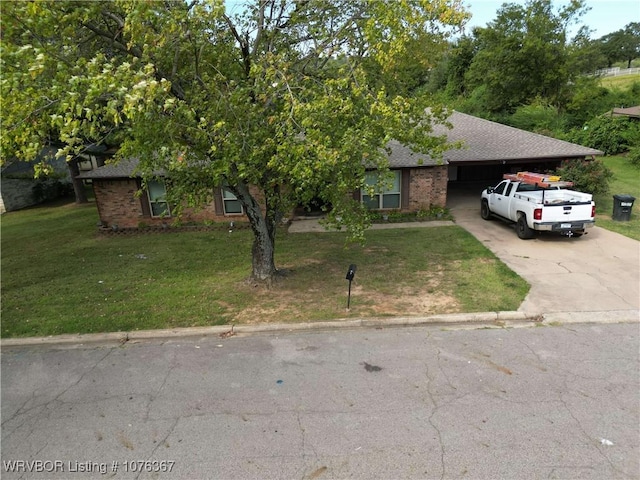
492, 149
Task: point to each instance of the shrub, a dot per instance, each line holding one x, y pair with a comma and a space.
606, 133
537, 117
634, 157
591, 176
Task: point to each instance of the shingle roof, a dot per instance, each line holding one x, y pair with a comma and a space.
484, 141
628, 112
487, 141
122, 169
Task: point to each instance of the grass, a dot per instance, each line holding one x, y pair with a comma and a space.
623, 82
59, 276
626, 180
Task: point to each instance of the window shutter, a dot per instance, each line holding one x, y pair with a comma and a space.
404, 189
356, 195
217, 201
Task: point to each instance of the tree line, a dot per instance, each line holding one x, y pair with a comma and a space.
525, 69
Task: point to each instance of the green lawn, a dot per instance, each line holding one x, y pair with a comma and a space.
622, 82
60, 276
626, 180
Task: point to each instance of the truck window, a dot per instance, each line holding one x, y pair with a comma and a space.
509, 188
525, 187
500, 188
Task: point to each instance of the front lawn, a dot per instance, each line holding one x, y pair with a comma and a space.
60, 276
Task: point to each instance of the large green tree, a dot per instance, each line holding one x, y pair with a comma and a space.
281, 101
523, 54
622, 45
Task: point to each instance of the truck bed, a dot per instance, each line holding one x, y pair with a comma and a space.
553, 197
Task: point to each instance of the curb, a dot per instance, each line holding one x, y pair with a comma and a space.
508, 319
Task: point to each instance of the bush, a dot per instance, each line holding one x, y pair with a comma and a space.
537, 117
634, 157
590, 176
609, 134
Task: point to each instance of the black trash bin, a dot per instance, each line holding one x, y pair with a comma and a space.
622, 205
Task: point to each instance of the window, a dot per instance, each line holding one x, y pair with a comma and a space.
509, 188
500, 188
387, 197
230, 203
158, 199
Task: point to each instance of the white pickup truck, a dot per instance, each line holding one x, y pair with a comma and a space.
544, 205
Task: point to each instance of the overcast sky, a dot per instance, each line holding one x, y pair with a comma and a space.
605, 16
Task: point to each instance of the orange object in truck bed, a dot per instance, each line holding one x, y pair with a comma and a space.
539, 179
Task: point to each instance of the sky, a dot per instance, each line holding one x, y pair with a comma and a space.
605, 16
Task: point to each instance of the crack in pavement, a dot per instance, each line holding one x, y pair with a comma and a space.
22, 411
431, 422
161, 442
589, 439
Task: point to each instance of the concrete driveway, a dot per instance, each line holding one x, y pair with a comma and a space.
598, 272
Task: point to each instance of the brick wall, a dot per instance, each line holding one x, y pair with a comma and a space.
427, 187
117, 202
119, 205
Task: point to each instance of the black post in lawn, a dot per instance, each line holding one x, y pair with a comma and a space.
350, 274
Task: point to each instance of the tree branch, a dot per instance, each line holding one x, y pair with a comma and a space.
260, 22
136, 52
244, 44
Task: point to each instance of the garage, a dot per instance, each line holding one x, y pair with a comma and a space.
492, 149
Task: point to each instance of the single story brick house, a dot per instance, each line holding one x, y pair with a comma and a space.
491, 149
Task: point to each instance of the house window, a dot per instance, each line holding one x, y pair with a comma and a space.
387, 197
158, 199
230, 203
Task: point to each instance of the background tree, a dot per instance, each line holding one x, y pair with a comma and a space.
584, 54
523, 54
281, 102
622, 45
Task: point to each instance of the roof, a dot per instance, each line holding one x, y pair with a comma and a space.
486, 141
628, 112
122, 169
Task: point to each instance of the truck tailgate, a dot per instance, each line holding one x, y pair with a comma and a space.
566, 213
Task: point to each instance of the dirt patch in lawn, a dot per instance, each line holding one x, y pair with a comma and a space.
426, 296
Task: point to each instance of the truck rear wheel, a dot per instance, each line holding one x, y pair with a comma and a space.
485, 213
524, 232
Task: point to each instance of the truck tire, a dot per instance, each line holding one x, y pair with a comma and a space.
523, 230
485, 213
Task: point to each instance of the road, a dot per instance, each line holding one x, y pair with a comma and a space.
418, 402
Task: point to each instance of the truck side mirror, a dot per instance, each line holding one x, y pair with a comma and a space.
489, 190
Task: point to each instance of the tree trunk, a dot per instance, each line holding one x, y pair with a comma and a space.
263, 263
78, 185
264, 230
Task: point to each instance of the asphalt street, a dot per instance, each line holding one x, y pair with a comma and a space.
410, 402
